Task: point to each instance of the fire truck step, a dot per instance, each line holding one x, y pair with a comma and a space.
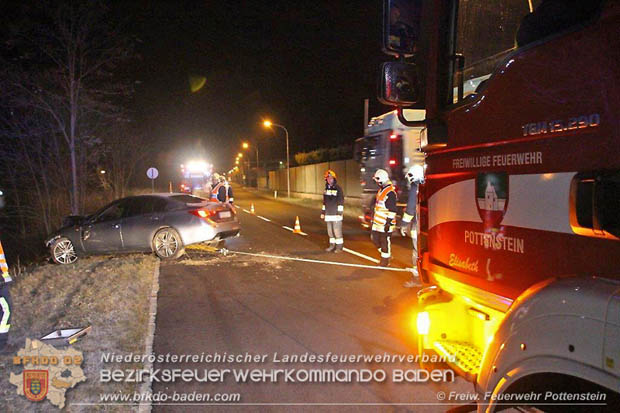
466, 356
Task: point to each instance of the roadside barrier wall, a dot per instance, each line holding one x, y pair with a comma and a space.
308, 180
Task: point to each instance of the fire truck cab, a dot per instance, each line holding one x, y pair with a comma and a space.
519, 216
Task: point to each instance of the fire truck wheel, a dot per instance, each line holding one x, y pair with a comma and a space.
167, 244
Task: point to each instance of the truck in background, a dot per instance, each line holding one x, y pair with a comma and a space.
519, 216
389, 145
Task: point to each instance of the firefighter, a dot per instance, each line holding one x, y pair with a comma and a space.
229, 192
384, 216
219, 193
415, 177
333, 209
5, 301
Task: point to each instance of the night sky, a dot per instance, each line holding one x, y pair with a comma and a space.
306, 65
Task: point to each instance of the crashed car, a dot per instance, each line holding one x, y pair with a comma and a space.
159, 223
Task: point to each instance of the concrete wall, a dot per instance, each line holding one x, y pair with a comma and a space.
308, 179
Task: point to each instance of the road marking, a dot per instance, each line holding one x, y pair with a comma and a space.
263, 218
245, 210
292, 230
344, 264
359, 254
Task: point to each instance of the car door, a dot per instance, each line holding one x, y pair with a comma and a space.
102, 233
142, 219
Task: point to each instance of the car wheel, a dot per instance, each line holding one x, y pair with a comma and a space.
167, 244
63, 252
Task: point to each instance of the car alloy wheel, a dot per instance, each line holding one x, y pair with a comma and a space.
63, 252
167, 244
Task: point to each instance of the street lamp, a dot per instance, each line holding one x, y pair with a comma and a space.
269, 124
246, 146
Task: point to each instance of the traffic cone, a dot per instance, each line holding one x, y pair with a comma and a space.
297, 229
252, 208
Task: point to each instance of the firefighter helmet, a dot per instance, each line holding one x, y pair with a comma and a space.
381, 177
415, 174
330, 172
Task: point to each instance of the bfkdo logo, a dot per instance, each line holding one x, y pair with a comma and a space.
36, 384
492, 198
48, 372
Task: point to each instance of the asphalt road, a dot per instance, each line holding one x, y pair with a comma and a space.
209, 303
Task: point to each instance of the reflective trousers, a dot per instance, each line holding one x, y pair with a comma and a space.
334, 231
382, 242
5, 315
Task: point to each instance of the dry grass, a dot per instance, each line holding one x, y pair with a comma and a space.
109, 293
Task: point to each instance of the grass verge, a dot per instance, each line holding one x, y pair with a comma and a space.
109, 293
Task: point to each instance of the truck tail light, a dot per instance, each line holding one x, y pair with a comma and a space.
392, 161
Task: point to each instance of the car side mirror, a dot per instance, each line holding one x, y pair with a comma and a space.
399, 85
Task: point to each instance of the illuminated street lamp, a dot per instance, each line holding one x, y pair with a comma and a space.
246, 146
269, 124
239, 155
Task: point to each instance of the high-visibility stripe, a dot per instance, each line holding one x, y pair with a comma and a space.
6, 312
332, 240
382, 214
339, 241
385, 255
333, 218
340, 208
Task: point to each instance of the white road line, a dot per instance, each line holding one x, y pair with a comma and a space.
292, 230
344, 264
359, 254
245, 210
263, 218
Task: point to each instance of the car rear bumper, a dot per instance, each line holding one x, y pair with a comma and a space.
207, 232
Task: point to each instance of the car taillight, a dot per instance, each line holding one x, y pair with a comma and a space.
204, 213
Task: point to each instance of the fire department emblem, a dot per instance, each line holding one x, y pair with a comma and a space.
35, 384
492, 197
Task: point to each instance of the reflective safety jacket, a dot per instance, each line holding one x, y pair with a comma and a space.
385, 209
6, 277
5, 308
219, 193
333, 202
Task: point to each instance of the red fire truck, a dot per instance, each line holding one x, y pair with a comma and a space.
519, 218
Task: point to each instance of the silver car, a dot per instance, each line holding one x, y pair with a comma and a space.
160, 223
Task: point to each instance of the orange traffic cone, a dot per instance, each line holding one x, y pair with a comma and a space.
297, 229
252, 208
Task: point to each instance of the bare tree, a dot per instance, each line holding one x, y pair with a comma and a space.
68, 59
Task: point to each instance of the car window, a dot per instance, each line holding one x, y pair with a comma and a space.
114, 211
160, 204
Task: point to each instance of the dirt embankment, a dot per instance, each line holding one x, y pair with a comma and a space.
109, 293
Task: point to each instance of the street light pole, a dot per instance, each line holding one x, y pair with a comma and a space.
268, 124
288, 163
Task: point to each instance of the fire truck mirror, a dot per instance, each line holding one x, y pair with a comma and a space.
401, 26
399, 84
